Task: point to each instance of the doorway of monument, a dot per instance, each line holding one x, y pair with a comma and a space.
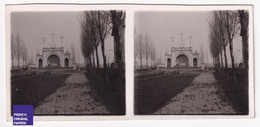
195, 62
66, 62
168, 63
182, 60
40, 63
53, 61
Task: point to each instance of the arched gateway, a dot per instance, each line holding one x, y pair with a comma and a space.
40, 63
182, 60
182, 57
53, 61
168, 62
66, 62
53, 57
195, 62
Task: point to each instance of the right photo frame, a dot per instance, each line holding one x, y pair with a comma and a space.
193, 61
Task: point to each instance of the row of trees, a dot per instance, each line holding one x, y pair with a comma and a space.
19, 52
224, 27
144, 49
95, 28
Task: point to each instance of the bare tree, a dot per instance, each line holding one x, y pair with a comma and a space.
78, 58
118, 32
13, 50
86, 41
219, 17
139, 48
73, 53
147, 49
231, 29
243, 19
102, 23
159, 59
135, 47
215, 45
153, 53
18, 49
202, 54
24, 53
93, 26
30, 59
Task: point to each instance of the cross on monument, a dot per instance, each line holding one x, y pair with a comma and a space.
52, 34
181, 34
172, 40
61, 40
190, 40
43, 39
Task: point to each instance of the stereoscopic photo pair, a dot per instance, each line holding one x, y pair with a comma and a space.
187, 60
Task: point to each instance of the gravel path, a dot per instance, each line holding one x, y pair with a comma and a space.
202, 97
75, 97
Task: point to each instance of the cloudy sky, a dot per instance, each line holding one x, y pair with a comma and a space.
159, 25
32, 26
162, 25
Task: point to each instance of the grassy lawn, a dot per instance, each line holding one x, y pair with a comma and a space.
154, 93
111, 93
237, 93
31, 91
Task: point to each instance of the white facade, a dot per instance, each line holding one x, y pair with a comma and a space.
182, 57
53, 57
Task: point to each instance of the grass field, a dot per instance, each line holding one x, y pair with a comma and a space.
237, 93
154, 93
31, 91
111, 93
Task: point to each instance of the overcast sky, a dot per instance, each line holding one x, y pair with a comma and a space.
32, 26
161, 25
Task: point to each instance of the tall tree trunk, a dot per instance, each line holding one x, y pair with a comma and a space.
147, 63
12, 64
103, 53
116, 21
218, 63
94, 66
214, 61
222, 66
96, 49
232, 59
141, 62
85, 61
244, 17
118, 52
226, 62
18, 60
90, 64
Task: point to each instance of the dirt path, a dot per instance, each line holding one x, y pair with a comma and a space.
74, 97
202, 97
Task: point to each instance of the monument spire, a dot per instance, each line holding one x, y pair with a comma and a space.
190, 40
43, 40
181, 34
172, 40
52, 35
61, 40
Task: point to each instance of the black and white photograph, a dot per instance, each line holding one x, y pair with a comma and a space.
191, 62
68, 62
128, 63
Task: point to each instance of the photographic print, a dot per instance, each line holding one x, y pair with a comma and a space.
68, 62
130, 62
191, 62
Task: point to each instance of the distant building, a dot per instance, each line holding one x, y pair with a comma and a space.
53, 57
182, 57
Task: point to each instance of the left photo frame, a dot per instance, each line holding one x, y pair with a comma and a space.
66, 61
